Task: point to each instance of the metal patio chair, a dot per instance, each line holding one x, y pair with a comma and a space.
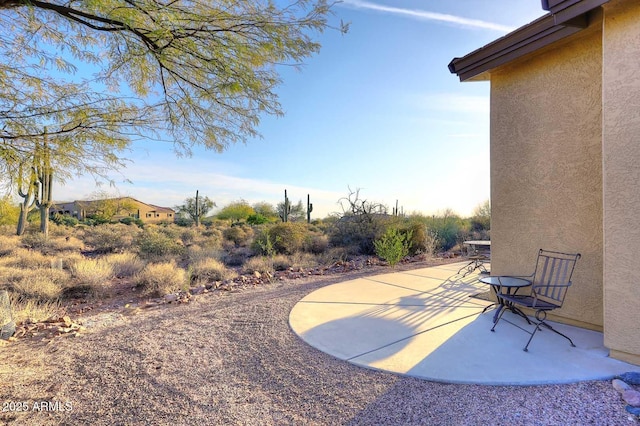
550, 282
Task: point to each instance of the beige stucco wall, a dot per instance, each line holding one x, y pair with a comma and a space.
621, 178
546, 166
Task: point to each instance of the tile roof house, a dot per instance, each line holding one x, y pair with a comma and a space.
565, 155
123, 207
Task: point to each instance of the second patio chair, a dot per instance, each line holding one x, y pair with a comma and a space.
550, 282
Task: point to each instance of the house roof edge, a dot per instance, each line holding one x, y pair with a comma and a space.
566, 17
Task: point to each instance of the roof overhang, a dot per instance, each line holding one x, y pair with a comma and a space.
566, 10
567, 17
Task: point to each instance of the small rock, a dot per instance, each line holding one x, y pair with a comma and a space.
257, 274
631, 397
67, 321
171, 297
198, 290
632, 378
620, 386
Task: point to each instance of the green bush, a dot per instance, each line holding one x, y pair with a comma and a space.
359, 231
152, 242
288, 237
64, 220
448, 229
393, 245
257, 219
422, 241
132, 221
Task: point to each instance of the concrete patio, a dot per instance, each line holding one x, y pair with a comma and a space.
428, 323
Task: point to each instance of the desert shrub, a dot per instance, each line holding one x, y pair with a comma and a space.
282, 262
288, 237
208, 270
303, 260
37, 286
241, 235
34, 240
359, 231
63, 244
316, 243
236, 256
188, 236
196, 253
421, 241
261, 264
161, 278
8, 244
171, 231
393, 245
93, 273
125, 264
257, 219
263, 243
129, 221
64, 220
40, 285
210, 239
152, 242
33, 310
335, 254
110, 238
447, 228
7, 230
184, 222
27, 259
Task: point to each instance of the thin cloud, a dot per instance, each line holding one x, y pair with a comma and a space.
429, 16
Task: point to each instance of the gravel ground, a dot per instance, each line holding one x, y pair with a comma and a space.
231, 358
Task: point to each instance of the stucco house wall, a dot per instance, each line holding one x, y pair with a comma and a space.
621, 187
565, 154
148, 213
546, 107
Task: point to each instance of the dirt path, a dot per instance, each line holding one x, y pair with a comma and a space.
230, 358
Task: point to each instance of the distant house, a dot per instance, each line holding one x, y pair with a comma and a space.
115, 209
565, 157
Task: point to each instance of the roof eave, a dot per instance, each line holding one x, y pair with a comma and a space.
566, 10
526, 39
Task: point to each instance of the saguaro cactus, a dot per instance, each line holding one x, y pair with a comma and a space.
197, 207
286, 208
309, 209
44, 172
28, 194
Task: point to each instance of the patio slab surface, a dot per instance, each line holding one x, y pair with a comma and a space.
429, 323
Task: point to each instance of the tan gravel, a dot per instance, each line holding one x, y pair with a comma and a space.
231, 358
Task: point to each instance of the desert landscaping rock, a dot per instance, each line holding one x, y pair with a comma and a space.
631, 377
620, 385
631, 397
230, 358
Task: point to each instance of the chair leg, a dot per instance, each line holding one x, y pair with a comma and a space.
541, 316
557, 332
501, 309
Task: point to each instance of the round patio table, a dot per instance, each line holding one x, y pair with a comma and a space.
506, 285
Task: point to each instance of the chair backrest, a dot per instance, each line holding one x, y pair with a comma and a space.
552, 276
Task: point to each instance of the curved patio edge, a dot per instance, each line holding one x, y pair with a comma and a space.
431, 324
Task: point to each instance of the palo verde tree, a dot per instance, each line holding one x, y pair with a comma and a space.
236, 211
189, 72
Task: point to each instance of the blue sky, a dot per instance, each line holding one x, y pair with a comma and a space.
376, 109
